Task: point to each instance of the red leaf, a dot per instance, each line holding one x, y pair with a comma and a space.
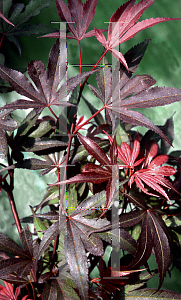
78, 13
6, 20
151, 151
95, 150
122, 26
143, 25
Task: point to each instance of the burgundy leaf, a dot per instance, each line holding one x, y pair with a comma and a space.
77, 260
144, 248
161, 245
9, 246
27, 242
138, 85
94, 150
147, 293
46, 81
49, 292
94, 177
155, 96
127, 243
49, 235
131, 218
123, 26
79, 14
77, 239
11, 265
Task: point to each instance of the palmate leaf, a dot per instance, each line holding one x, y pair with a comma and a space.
8, 291
152, 235
81, 14
76, 238
123, 26
77, 13
51, 162
47, 91
21, 14
24, 262
121, 94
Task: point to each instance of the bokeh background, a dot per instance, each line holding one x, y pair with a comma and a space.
162, 61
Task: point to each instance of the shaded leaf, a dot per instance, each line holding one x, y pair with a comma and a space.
27, 242
6, 20
34, 145
98, 118
11, 265
49, 292
161, 245
153, 294
19, 14
9, 246
65, 287
8, 125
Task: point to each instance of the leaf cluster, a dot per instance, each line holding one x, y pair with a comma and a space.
109, 167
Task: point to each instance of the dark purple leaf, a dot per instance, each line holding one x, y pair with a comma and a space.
9, 246
144, 247
27, 242
11, 265
49, 292
161, 246
46, 81
134, 93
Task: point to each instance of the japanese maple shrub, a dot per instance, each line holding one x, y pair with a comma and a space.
95, 165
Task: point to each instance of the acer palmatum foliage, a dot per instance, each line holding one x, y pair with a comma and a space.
123, 26
109, 162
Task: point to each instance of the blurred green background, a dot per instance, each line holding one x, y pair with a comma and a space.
162, 61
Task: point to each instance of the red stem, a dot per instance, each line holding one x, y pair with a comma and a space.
89, 119
2, 39
80, 60
63, 186
13, 207
96, 65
